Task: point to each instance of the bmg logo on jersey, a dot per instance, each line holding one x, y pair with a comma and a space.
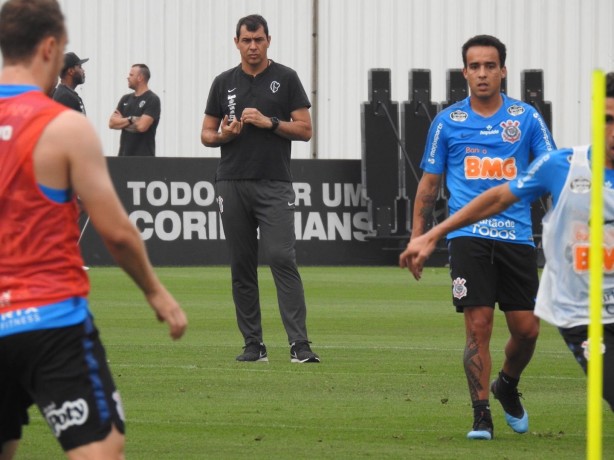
490, 168
580, 248
71, 413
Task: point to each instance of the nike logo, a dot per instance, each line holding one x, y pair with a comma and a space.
290, 203
231, 90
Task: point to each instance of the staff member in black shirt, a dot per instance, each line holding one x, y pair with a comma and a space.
137, 115
254, 112
71, 76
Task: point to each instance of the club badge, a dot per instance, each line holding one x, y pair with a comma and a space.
511, 131
459, 290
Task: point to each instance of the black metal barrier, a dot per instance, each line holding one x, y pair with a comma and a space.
380, 159
532, 89
172, 201
416, 117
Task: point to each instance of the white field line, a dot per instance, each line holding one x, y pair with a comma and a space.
266, 367
203, 422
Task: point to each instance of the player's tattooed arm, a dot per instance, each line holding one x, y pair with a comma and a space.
426, 197
428, 207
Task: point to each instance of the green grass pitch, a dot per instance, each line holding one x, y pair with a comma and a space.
390, 385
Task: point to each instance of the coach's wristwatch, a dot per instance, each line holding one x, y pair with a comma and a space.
275, 123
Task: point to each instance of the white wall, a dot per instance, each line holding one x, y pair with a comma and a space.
565, 38
187, 43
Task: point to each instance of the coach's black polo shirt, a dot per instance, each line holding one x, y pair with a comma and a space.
256, 153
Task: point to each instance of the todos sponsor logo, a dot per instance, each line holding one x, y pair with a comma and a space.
494, 228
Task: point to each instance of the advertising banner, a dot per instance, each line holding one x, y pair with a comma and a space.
173, 203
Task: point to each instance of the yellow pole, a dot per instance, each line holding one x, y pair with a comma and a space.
595, 329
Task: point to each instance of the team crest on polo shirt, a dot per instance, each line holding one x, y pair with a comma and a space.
511, 131
275, 86
459, 290
142, 104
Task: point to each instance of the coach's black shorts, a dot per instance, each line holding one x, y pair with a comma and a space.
576, 340
65, 372
485, 272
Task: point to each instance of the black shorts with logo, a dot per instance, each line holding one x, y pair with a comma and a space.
485, 272
65, 372
576, 339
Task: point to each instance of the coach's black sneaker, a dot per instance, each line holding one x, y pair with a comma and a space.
509, 397
482, 427
300, 352
253, 352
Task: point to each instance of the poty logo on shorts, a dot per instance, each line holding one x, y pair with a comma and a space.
459, 290
71, 413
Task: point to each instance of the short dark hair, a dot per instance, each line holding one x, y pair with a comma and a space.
144, 71
252, 23
485, 40
25, 23
609, 85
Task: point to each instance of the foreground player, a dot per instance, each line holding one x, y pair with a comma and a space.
50, 352
478, 143
562, 298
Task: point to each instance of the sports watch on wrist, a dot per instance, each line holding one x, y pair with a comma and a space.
275, 122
